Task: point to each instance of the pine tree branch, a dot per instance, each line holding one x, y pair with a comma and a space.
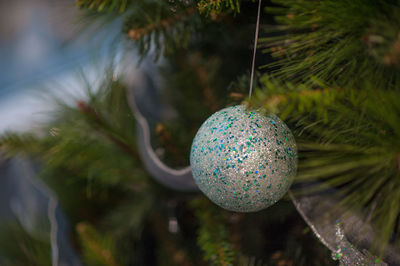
345, 44
392, 57
138, 33
98, 250
18, 247
214, 7
291, 100
213, 235
347, 139
103, 5
204, 80
398, 162
106, 129
167, 141
165, 26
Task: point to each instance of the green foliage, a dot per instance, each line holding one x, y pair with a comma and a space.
198, 73
358, 150
348, 139
336, 62
119, 199
103, 5
12, 144
128, 217
98, 249
196, 83
279, 236
87, 140
292, 100
167, 26
213, 235
88, 152
215, 7
18, 248
343, 43
163, 27
335, 81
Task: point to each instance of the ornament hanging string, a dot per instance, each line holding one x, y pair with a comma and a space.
255, 49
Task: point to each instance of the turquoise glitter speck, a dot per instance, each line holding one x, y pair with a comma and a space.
253, 143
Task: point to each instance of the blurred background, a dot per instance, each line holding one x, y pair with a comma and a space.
41, 43
43, 50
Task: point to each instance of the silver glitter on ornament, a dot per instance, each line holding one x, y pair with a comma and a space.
242, 160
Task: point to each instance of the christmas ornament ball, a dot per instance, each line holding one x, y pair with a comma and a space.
242, 160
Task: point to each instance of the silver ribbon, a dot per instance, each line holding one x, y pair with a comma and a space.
344, 233
181, 179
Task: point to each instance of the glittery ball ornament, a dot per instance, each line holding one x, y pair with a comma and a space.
242, 160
